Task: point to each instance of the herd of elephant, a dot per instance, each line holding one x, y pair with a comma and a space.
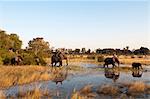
135, 65
55, 59
58, 59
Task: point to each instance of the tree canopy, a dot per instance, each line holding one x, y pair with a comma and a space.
9, 41
39, 47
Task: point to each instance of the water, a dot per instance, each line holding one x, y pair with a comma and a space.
75, 82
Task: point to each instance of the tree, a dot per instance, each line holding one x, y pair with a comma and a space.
39, 47
16, 43
83, 50
144, 50
9, 41
77, 51
88, 51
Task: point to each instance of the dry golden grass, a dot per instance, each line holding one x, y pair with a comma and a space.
123, 59
34, 94
2, 95
86, 89
84, 93
137, 87
129, 60
108, 90
13, 75
17, 75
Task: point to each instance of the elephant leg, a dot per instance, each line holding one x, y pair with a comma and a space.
60, 63
113, 65
52, 64
55, 63
107, 65
67, 62
104, 65
138, 67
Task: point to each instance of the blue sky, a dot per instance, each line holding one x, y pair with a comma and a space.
77, 24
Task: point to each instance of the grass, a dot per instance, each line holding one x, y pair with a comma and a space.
2, 95
84, 93
108, 90
32, 94
123, 59
129, 60
137, 87
16, 75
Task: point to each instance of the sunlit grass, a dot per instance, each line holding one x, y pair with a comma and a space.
84, 93
16, 75
108, 90
2, 95
104, 90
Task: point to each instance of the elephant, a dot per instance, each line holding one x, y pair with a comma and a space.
136, 65
58, 58
111, 61
16, 60
112, 74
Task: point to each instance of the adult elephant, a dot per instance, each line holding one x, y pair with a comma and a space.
16, 60
58, 58
111, 61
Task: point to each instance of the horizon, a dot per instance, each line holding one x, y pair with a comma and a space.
79, 24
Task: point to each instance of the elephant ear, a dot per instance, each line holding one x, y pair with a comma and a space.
61, 56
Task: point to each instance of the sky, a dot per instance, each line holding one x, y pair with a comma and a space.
79, 23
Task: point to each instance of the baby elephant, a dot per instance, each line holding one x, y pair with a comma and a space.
136, 66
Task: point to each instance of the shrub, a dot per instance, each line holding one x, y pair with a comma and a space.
6, 61
90, 57
100, 58
30, 59
132, 56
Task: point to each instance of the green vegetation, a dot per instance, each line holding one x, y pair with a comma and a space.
34, 54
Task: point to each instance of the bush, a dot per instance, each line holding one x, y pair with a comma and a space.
140, 56
6, 61
100, 58
133, 56
90, 57
28, 59
6, 56
31, 59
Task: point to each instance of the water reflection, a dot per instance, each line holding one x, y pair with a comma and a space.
59, 75
112, 73
137, 73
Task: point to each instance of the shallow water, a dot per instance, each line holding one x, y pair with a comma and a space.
75, 82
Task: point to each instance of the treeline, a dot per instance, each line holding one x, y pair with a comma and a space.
124, 51
109, 51
10, 47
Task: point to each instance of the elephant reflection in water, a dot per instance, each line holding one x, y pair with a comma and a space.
112, 73
137, 73
59, 75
